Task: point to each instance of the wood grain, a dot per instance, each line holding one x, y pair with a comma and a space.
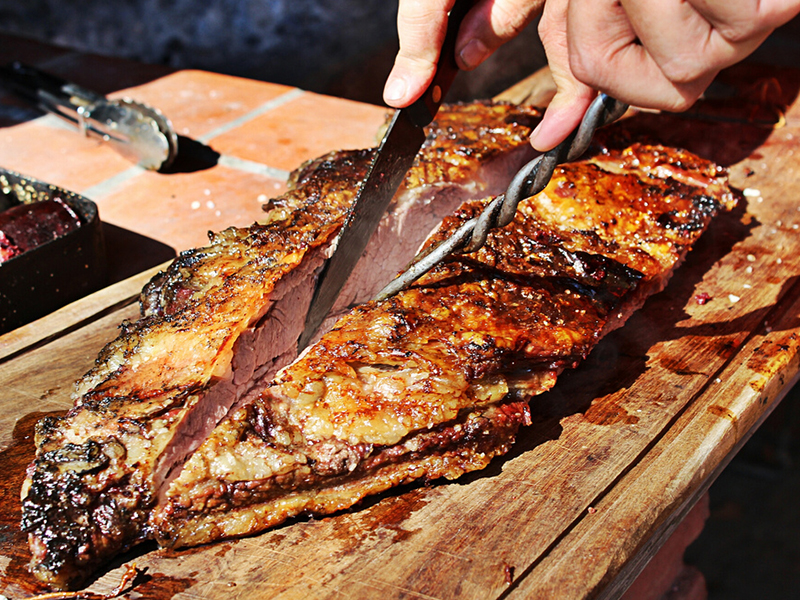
619, 450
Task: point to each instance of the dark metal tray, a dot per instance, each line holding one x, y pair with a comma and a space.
57, 272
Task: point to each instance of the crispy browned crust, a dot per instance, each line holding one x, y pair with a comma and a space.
319, 482
97, 470
462, 139
471, 342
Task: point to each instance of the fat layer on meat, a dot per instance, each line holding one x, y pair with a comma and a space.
436, 380
218, 324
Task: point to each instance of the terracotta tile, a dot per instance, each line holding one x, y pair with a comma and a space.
61, 156
56, 151
179, 209
307, 127
198, 102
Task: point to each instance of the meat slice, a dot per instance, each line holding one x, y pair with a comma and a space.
437, 380
217, 325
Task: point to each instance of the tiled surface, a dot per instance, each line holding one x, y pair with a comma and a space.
179, 209
308, 126
198, 102
239, 139
58, 154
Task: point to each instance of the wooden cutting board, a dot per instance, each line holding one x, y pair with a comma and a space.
618, 452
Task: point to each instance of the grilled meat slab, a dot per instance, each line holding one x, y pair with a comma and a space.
218, 324
437, 380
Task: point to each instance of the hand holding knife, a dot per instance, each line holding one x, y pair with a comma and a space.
401, 142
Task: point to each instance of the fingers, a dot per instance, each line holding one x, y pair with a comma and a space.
489, 25
421, 27
692, 47
664, 53
562, 116
649, 53
643, 59
572, 96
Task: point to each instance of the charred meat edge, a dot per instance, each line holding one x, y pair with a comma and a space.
478, 335
212, 331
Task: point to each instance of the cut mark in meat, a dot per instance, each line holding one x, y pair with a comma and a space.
259, 352
215, 325
463, 350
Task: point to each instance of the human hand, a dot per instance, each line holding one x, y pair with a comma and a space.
421, 26
659, 54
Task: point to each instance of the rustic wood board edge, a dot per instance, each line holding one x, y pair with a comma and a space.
74, 315
693, 452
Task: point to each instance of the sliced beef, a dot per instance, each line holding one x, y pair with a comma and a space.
436, 380
215, 328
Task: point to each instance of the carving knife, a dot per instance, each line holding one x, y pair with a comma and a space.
401, 142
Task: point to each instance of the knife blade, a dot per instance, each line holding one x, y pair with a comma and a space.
395, 155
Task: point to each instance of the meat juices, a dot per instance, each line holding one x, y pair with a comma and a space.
218, 324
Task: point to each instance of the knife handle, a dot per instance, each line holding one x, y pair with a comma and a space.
424, 110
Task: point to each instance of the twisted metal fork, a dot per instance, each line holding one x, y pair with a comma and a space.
529, 181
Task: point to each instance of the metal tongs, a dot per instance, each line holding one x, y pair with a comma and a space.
140, 133
529, 181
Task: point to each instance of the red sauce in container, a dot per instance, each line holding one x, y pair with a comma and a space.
27, 226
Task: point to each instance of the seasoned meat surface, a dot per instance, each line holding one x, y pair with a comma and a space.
215, 328
436, 380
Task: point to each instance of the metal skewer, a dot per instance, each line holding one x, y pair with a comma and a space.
529, 181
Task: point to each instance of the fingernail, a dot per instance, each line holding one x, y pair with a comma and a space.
395, 89
535, 134
474, 53
538, 144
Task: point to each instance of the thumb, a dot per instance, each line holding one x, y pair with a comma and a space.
562, 115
